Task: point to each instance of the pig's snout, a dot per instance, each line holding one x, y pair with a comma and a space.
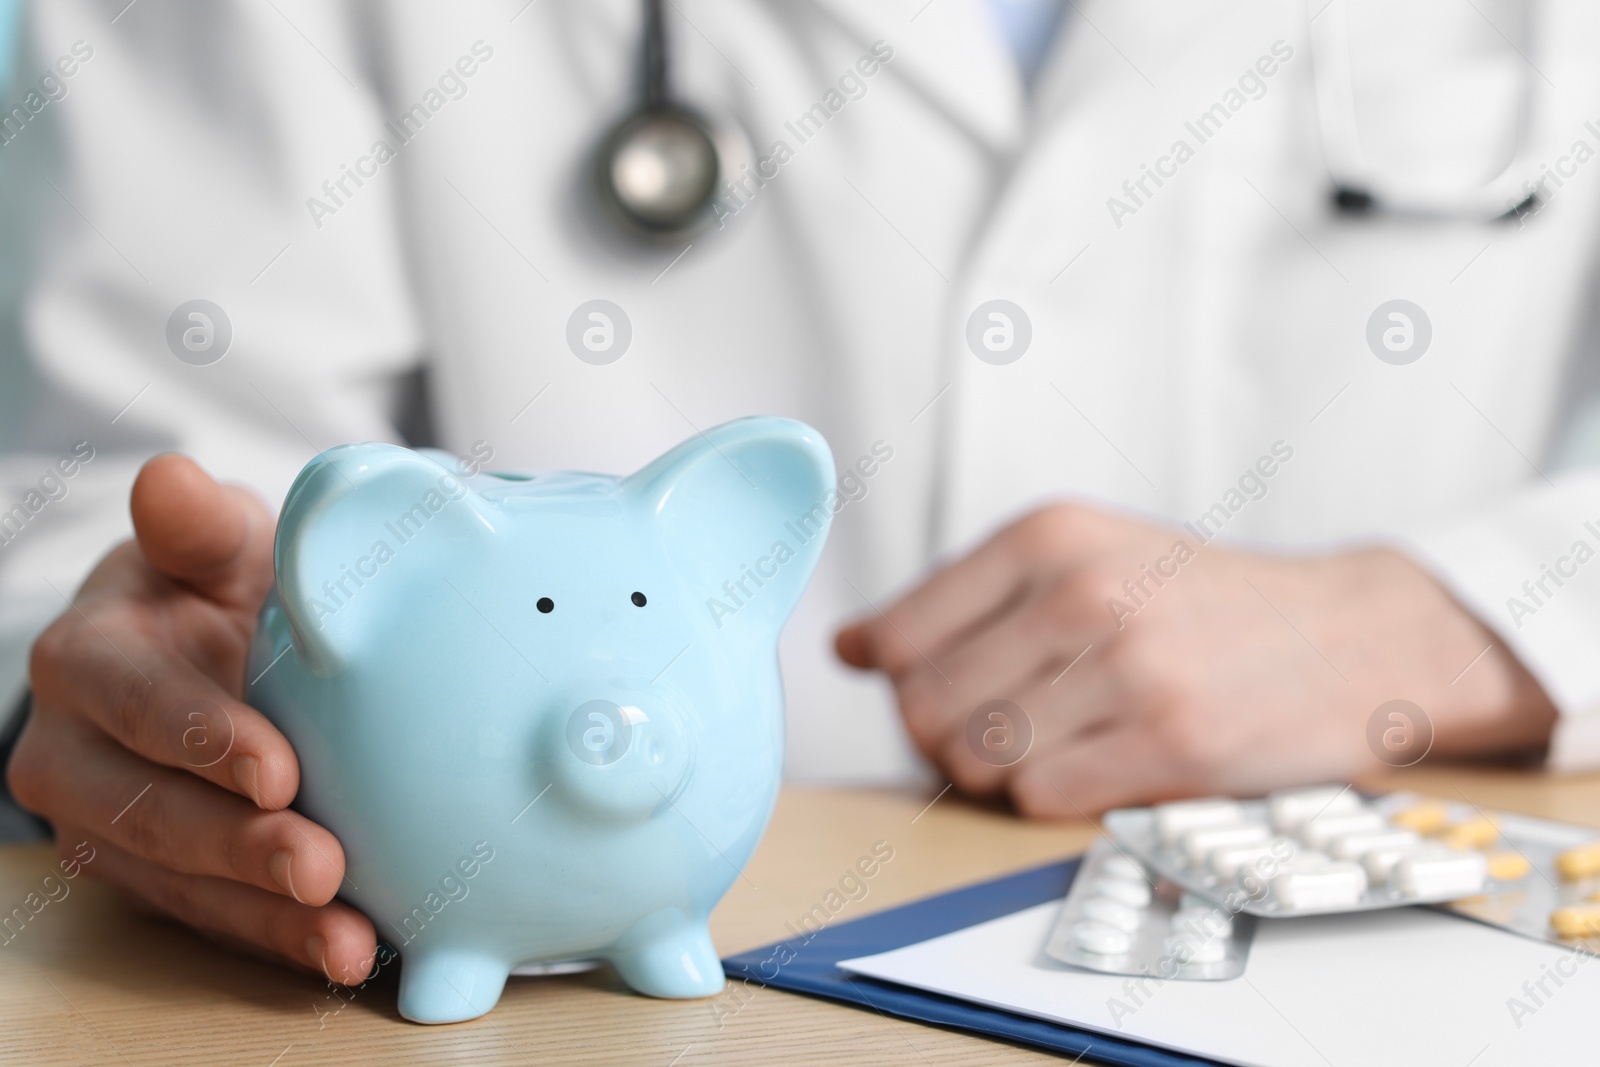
623, 758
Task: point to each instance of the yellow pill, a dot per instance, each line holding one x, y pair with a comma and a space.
1508, 866
1474, 833
1578, 920
1427, 818
1580, 862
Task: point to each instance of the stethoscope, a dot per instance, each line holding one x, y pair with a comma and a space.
657, 171
1361, 186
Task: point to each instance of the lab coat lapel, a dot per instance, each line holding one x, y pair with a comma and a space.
1125, 319
948, 51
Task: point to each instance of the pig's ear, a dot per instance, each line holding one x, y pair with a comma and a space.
365, 531
743, 510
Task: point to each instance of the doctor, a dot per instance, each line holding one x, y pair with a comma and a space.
1139, 432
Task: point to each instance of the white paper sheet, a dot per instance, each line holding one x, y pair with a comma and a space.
1405, 987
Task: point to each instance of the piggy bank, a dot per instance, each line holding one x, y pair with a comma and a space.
541, 712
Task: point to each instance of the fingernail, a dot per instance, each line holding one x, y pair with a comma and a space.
317, 953
279, 866
246, 769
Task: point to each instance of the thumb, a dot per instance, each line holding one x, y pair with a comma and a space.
854, 645
214, 538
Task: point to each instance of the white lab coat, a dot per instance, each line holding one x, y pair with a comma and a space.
1172, 346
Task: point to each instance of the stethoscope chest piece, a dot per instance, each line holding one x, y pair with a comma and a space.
658, 170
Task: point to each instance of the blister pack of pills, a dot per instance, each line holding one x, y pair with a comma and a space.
1544, 877
1120, 918
1304, 852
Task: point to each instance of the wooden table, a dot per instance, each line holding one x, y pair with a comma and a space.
89, 981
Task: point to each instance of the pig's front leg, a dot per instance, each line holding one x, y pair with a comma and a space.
449, 985
669, 954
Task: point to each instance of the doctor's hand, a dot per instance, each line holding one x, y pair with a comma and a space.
139, 743
1150, 666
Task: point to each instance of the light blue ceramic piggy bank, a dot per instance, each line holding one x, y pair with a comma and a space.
541, 713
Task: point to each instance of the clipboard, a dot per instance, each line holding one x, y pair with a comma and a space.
810, 968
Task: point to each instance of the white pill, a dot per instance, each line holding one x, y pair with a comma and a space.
1320, 832
1256, 876
1226, 863
1198, 844
1380, 862
1292, 807
1191, 950
1100, 939
1441, 872
1133, 894
1331, 885
1355, 846
1122, 867
1203, 922
1176, 819
1108, 911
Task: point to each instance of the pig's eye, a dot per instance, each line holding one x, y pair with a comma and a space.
545, 605
638, 600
